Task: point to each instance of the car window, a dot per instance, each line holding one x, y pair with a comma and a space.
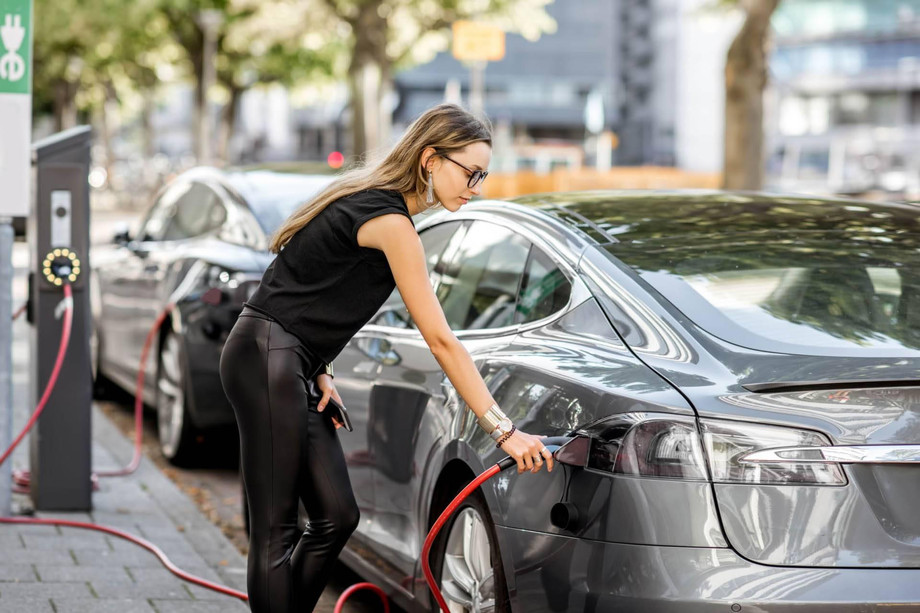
808, 290
479, 284
394, 313
782, 274
241, 227
154, 226
274, 196
197, 212
544, 289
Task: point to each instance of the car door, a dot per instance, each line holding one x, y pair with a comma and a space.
413, 404
360, 363
122, 279
140, 288
196, 213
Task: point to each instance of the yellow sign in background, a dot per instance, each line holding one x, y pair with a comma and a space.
478, 41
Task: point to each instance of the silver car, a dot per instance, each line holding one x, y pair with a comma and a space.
743, 369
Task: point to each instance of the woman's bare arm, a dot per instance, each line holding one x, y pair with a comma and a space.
397, 238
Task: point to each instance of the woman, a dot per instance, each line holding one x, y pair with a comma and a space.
339, 257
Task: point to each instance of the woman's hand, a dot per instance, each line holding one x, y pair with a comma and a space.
526, 449
325, 384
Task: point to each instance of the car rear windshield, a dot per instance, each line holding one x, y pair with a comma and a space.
790, 281
274, 196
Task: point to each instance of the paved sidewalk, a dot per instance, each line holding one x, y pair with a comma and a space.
59, 569
65, 570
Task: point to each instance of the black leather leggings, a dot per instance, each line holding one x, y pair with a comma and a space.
288, 452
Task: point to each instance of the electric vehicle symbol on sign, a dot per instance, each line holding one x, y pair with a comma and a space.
12, 66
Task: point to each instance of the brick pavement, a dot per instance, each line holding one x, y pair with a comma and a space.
70, 570
60, 569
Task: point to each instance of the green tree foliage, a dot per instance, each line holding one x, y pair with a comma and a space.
385, 35
93, 55
87, 51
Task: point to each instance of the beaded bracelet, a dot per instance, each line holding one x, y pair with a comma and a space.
504, 437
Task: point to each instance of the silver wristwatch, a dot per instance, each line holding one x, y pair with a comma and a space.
495, 422
328, 370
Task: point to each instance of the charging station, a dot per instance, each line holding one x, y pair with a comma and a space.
58, 231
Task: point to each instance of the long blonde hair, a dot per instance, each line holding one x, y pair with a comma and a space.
446, 127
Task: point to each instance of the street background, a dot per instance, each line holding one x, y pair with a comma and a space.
797, 96
587, 93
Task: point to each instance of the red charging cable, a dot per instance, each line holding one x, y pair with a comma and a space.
58, 363
20, 310
22, 478
132, 466
442, 519
139, 398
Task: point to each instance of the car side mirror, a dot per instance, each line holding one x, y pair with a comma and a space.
122, 234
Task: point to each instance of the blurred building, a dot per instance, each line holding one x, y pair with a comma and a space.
845, 97
613, 59
537, 95
649, 71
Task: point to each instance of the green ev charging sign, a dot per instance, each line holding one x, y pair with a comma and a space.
15, 46
15, 107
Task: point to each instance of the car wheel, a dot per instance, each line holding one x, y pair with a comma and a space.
174, 426
467, 563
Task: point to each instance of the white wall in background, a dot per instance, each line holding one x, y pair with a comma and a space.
703, 39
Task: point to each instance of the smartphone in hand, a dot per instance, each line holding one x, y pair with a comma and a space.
338, 412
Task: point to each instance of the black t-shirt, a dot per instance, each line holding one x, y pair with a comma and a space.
323, 286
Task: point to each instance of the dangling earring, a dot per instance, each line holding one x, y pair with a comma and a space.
429, 197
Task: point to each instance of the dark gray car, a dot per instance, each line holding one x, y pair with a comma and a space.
202, 246
743, 366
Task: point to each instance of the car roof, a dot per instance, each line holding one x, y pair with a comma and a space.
256, 185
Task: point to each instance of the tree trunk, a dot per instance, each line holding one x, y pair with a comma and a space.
228, 122
65, 108
387, 90
191, 37
149, 145
745, 80
150, 175
109, 125
197, 58
369, 64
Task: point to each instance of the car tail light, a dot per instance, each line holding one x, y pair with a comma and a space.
647, 445
727, 442
669, 446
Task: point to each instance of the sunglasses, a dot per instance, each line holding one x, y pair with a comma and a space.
476, 176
